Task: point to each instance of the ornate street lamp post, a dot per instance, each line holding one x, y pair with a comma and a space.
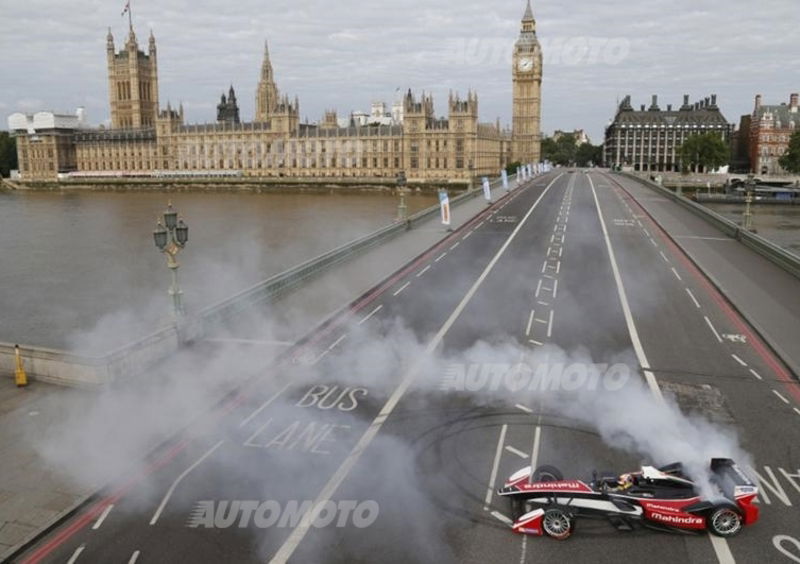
749, 186
402, 208
170, 238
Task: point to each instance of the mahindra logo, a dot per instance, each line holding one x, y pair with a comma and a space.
556, 485
677, 520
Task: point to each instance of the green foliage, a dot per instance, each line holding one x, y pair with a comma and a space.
588, 154
790, 161
8, 153
511, 168
704, 151
560, 152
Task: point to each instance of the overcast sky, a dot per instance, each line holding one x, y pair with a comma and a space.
347, 53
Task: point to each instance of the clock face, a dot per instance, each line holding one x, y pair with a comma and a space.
525, 64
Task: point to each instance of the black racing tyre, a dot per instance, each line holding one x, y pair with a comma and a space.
557, 524
547, 473
724, 522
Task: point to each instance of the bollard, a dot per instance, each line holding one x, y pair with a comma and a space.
19, 374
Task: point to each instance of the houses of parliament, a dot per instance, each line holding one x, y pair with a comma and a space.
145, 139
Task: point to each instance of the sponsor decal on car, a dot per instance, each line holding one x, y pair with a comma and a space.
678, 520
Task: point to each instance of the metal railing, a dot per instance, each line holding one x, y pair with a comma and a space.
769, 250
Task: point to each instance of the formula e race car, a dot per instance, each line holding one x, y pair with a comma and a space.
665, 498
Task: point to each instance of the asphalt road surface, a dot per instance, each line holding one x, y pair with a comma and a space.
394, 410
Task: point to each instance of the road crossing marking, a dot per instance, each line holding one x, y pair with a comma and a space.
516, 451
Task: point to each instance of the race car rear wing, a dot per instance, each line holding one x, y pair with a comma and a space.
733, 482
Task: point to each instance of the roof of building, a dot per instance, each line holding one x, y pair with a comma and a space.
782, 116
702, 114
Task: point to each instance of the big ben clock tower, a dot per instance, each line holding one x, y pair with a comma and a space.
527, 78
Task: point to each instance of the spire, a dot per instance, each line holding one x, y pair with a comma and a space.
528, 16
109, 40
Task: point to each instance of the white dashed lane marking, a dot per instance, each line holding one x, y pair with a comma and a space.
756, 374
696, 303
739, 360
783, 399
403, 287
370, 314
713, 329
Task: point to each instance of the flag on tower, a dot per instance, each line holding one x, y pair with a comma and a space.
127, 7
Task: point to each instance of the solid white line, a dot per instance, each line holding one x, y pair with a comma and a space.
678, 276
663, 256
550, 325
518, 452
626, 309
523, 408
797, 411
423, 271
555, 289
739, 360
261, 407
179, 479
538, 287
696, 303
713, 329
495, 465
756, 374
530, 322
501, 517
403, 287
441, 257
337, 341
134, 558
102, 517
299, 532
370, 314
75, 554
537, 441
783, 399
456, 245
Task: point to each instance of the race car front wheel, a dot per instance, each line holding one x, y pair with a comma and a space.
725, 522
547, 473
557, 524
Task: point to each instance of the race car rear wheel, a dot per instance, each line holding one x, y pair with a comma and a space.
546, 473
557, 524
724, 522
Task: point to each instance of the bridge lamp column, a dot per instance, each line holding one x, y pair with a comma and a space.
402, 208
170, 237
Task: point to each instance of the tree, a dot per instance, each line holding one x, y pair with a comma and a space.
790, 161
560, 152
8, 153
588, 154
705, 151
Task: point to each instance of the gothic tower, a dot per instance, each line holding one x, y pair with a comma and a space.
132, 83
527, 79
267, 92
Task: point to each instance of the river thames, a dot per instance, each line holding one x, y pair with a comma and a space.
779, 224
73, 264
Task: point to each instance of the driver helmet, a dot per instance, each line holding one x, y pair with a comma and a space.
625, 481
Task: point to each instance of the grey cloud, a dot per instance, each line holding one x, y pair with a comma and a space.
344, 55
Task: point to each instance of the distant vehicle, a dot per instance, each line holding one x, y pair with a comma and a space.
544, 503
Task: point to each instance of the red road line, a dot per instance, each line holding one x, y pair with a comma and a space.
95, 510
754, 340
